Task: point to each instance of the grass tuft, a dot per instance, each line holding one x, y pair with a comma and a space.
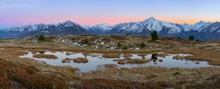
45, 56
110, 55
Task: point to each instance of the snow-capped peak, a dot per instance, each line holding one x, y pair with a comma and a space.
200, 25
68, 23
186, 27
201, 22
87, 27
104, 27
151, 19
153, 24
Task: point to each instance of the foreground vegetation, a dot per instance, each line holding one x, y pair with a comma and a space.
24, 73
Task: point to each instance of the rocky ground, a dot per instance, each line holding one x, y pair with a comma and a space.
26, 73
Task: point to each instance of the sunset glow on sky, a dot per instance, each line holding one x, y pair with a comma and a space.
91, 12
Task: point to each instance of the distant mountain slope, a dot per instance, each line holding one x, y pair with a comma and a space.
201, 30
67, 27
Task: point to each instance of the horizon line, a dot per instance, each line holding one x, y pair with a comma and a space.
111, 24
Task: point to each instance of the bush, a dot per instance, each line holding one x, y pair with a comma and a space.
125, 48
154, 36
41, 38
85, 41
119, 45
191, 37
142, 45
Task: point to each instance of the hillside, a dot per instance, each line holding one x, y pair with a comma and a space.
45, 62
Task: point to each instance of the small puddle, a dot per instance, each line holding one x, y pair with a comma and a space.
96, 61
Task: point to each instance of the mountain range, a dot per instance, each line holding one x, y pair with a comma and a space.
204, 31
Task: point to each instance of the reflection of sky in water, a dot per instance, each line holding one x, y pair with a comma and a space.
97, 59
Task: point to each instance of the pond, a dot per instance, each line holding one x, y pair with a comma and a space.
97, 61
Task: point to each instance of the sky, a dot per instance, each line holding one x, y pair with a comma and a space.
91, 12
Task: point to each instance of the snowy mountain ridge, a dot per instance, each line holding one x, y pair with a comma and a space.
151, 24
203, 30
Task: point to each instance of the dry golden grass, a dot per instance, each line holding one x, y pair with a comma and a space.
28, 77
68, 53
110, 66
76, 60
111, 55
142, 55
21, 70
177, 57
137, 61
213, 57
198, 58
104, 83
72, 49
66, 60
181, 46
122, 59
155, 74
131, 61
121, 62
81, 60
127, 55
140, 78
37, 51
117, 37
45, 56
162, 55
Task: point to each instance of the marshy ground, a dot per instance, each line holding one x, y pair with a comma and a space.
19, 72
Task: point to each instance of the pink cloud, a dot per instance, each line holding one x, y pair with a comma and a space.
92, 20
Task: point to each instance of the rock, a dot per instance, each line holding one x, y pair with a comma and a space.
154, 56
160, 60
